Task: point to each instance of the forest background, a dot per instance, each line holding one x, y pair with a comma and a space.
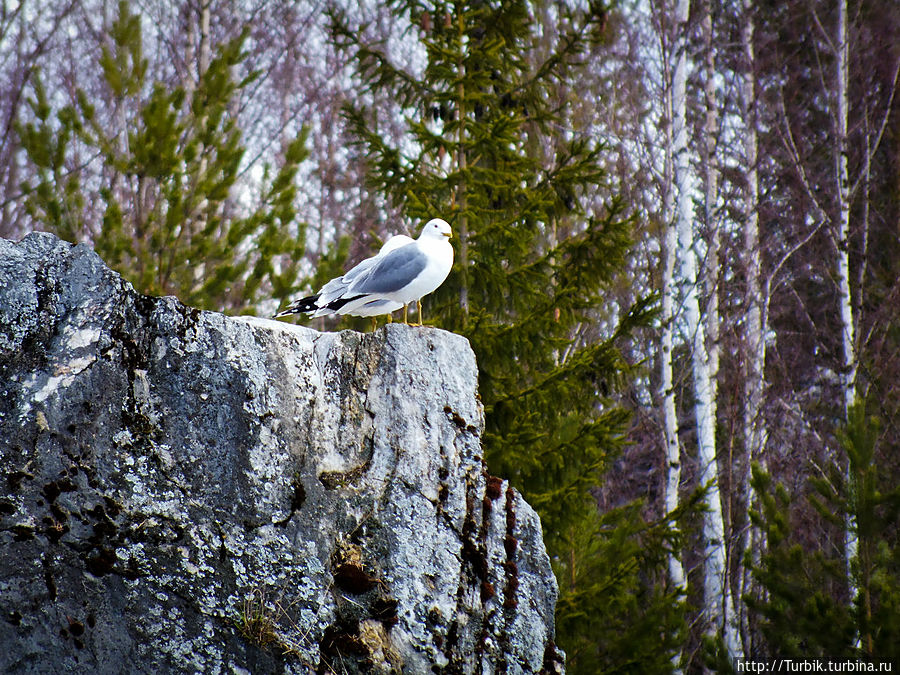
677, 232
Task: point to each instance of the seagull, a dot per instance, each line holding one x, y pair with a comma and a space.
403, 271
317, 305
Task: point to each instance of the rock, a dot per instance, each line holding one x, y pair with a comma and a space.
188, 492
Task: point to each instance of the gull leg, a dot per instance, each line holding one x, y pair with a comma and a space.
418, 312
374, 324
405, 316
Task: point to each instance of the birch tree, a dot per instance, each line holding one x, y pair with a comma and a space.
837, 79
849, 362
849, 308
754, 325
710, 176
667, 338
842, 179
718, 599
835, 207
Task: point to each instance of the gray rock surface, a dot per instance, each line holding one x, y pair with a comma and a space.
187, 492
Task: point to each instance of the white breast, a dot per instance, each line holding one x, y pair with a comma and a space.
440, 260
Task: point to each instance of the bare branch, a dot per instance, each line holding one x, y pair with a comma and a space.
787, 136
872, 148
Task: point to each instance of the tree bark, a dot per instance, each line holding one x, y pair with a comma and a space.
718, 598
754, 426
848, 345
667, 384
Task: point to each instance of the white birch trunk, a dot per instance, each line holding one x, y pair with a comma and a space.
755, 320
718, 598
711, 197
754, 429
848, 347
667, 380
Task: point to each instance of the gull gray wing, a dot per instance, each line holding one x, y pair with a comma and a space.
360, 268
336, 288
391, 272
331, 291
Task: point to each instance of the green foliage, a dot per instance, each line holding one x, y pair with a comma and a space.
803, 615
533, 260
170, 162
618, 622
58, 193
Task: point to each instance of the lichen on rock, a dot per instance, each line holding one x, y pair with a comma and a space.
189, 492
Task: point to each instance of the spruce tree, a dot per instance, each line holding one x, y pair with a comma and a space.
804, 611
170, 224
486, 149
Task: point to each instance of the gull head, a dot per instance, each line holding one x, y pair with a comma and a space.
437, 229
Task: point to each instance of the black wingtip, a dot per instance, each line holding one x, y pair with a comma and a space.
335, 305
307, 305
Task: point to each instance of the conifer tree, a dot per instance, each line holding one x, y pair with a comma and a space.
804, 612
486, 150
170, 223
